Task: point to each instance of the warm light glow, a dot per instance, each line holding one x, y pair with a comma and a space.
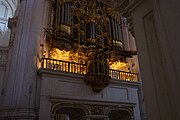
117, 65
69, 56
59, 54
76, 57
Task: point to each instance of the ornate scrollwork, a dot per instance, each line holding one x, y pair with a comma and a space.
96, 110
58, 38
97, 70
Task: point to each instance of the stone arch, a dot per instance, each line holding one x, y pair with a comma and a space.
11, 5
119, 112
70, 109
8, 8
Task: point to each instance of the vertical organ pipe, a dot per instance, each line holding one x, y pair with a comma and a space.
91, 26
113, 29
119, 32
110, 32
68, 18
62, 14
93, 30
88, 30
65, 14
116, 30
114, 22
56, 15
70, 14
59, 15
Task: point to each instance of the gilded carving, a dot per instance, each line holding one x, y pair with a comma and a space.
92, 28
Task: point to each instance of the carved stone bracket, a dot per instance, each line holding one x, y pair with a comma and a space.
12, 25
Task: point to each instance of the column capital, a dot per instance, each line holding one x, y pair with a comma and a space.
12, 22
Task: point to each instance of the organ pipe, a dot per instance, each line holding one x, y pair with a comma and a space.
116, 30
62, 14
59, 15
88, 27
110, 32
70, 16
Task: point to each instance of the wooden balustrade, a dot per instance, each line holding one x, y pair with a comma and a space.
81, 69
121, 75
63, 66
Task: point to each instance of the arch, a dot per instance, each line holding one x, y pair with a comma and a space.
58, 106
70, 111
9, 8
119, 112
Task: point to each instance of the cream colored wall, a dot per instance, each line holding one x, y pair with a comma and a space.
70, 87
167, 19
156, 24
21, 72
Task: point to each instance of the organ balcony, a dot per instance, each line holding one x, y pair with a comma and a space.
86, 37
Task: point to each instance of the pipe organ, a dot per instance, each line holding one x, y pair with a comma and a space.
83, 22
93, 28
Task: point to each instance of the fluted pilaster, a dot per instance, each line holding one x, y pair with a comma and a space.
20, 86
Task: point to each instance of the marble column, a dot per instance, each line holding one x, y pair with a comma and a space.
20, 86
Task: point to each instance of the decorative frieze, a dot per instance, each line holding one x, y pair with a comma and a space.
90, 111
97, 110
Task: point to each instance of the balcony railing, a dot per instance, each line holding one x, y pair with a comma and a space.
81, 69
121, 75
63, 66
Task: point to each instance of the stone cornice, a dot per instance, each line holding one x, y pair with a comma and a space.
55, 74
132, 5
90, 101
43, 72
